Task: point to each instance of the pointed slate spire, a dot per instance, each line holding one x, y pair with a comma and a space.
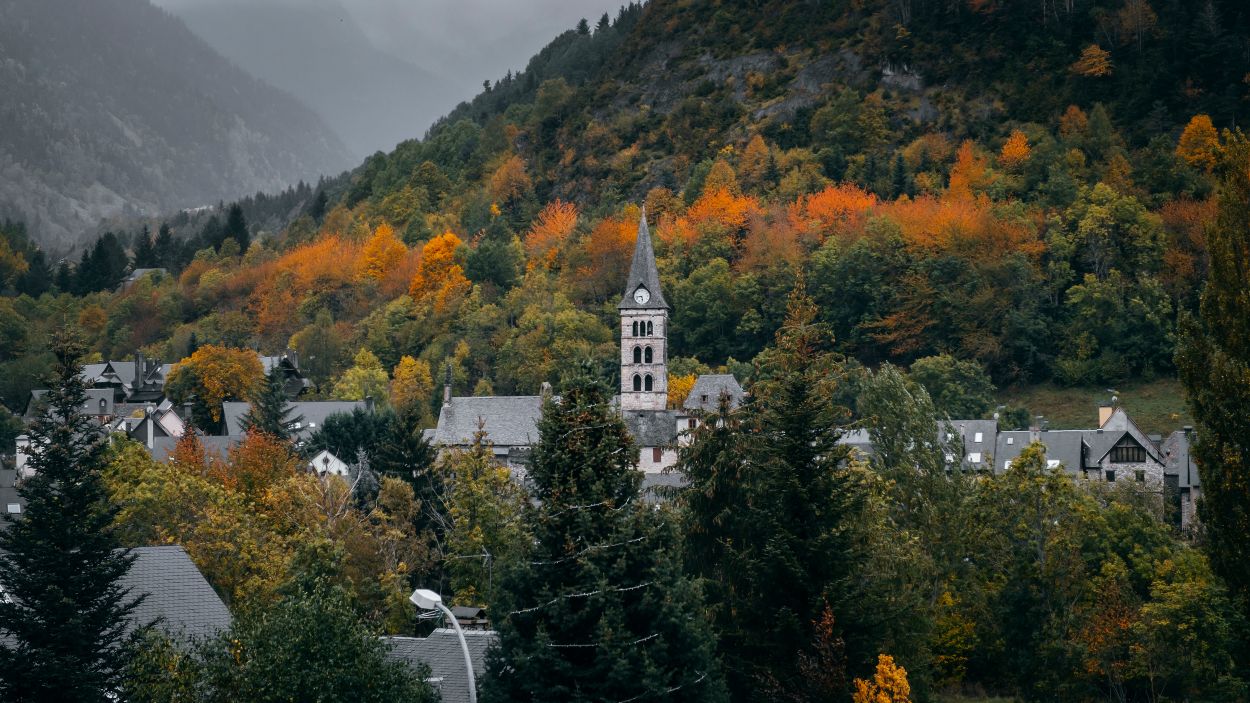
643, 273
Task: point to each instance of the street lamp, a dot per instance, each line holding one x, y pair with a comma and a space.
429, 600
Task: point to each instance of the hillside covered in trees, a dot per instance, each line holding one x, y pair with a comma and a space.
1036, 205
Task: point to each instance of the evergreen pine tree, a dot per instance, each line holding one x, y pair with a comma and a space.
601, 611
1213, 358
38, 277
403, 452
775, 508
317, 209
165, 248
236, 228
64, 615
64, 277
145, 252
271, 409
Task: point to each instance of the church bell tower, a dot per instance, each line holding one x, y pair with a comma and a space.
644, 331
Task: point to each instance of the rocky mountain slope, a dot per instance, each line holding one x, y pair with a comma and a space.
113, 107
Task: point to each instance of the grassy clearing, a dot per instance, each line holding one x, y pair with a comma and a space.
1156, 406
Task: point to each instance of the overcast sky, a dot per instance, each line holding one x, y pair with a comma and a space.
467, 41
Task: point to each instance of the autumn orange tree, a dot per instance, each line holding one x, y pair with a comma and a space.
381, 254
211, 376
439, 280
888, 684
1199, 144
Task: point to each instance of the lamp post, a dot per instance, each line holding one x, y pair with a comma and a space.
429, 600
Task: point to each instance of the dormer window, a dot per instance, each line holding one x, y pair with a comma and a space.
1126, 451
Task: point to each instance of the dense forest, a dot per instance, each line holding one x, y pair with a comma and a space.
870, 212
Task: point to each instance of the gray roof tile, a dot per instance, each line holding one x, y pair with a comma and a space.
642, 272
178, 598
509, 421
652, 428
708, 388
442, 653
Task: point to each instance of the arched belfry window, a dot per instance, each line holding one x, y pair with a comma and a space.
635, 328
638, 382
647, 356
637, 355
648, 384
650, 329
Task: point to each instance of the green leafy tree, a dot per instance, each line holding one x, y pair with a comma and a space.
1214, 364
365, 379
958, 389
485, 510
601, 611
65, 614
270, 412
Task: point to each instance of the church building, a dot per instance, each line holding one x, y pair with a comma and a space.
511, 422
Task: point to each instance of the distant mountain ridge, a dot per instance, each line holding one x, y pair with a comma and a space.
113, 107
314, 50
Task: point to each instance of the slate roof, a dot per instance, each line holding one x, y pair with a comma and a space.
314, 413
964, 437
708, 388
8, 492
1176, 451
99, 402
652, 428
442, 653
163, 447
509, 420
178, 597
1065, 446
642, 272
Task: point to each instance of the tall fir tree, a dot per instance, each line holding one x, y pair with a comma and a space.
271, 410
600, 610
165, 248
145, 251
777, 513
1213, 358
64, 615
236, 228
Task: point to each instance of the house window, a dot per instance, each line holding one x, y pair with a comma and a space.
1110, 475
974, 458
14, 508
637, 355
648, 384
647, 355
977, 438
1011, 441
638, 382
1128, 452
656, 455
690, 424
1052, 463
1140, 475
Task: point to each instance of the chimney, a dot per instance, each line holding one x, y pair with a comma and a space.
141, 367
149, 411
293, 357
1104, 413
447, 385
546, 390
186, 412
369, 404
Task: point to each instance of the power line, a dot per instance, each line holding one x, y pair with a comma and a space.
587, 594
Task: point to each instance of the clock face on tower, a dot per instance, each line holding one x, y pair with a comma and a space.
641, 296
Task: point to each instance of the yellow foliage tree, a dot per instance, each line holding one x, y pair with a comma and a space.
969, 172
1015, 151
722, 177
213, 375
381, 254
679, 388
888, 685
510, 182
412, 385
550, 231
365, 379
753, 166
1095, 62
440, 278
1199, 145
